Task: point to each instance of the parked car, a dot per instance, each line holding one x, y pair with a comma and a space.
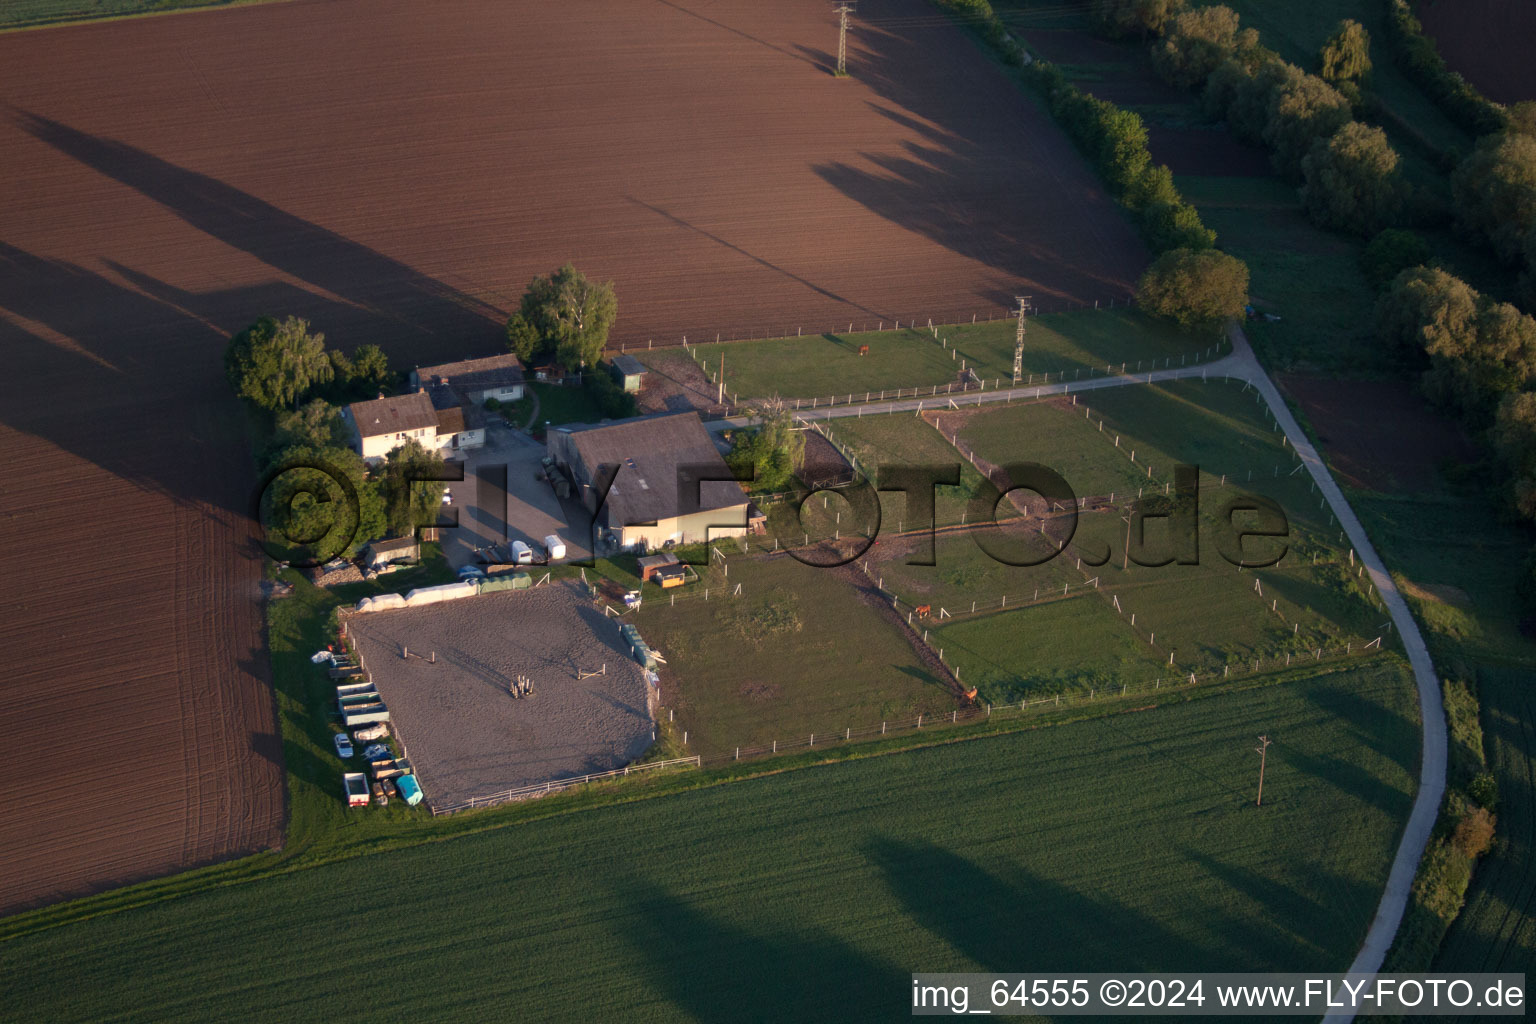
343, 745
522, 554
447, 496
471, 572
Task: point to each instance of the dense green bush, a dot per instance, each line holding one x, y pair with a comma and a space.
612, 400
1390, 253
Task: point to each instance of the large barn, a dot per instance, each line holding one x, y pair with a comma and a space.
651, 482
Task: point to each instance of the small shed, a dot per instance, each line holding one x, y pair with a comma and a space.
629, 372
757, 519
381, 552
650, 565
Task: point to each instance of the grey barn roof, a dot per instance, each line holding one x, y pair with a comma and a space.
393, 414
472, 374
629, 366
393, 544
649, 453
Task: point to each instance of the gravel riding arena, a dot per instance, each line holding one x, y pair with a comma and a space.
447, 672
396, 172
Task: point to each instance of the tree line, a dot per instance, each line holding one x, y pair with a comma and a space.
1189, 281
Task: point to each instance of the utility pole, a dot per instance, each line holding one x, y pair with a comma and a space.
843, 10
1018, 344
1261, 748
1125, 561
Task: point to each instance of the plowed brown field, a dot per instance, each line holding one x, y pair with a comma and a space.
396, 172
1488, 41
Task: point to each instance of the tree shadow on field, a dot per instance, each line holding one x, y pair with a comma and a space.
998, 922
997, 182
1308, 923
714, 969
1388, 732
359, 275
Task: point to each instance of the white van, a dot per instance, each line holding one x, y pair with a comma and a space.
522, 554
555, 546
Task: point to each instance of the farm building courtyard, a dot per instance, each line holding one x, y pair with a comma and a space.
465, 733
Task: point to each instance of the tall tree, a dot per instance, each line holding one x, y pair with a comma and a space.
1427, 307
1346, 56
309, 513
1136, 17
1194, 287
1350, 180
1302, 109
773, 451
572, 315
1196, 44
370, 372
273, 364
315, 424
523, 338
1494, 191
410, 495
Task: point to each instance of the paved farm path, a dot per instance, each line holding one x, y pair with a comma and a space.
1243, 365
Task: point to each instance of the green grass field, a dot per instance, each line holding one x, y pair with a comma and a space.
1216, 425
1209, 617
903, 439
799, 652
20, 13
827, 365
1131, 841
1309, 277
1069, 645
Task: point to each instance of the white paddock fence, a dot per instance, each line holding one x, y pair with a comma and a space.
556, 785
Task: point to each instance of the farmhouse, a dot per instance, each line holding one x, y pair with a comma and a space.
461, 422
475, 380
651, 481
383, 424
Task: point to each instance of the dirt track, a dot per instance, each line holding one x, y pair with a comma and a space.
396, 173
1488, 41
